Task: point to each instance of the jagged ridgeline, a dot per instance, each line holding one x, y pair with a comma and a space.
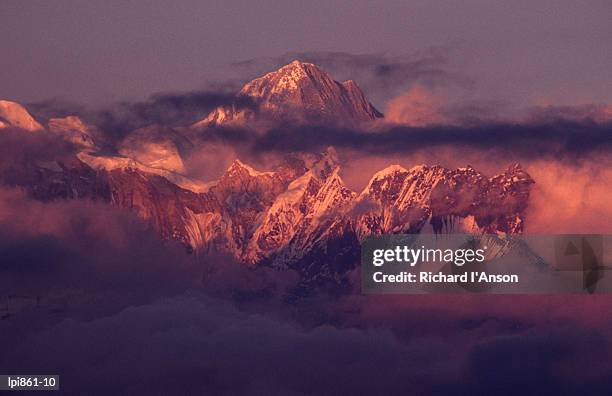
297, 92
280, 215
299, 214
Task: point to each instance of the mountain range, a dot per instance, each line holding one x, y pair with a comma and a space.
299, 214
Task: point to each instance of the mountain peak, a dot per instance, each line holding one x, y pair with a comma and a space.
385, 179
391, 169
325, 163
298, 92
516, 167
238, 166
13, 114
294, 76
515, 172
297, 64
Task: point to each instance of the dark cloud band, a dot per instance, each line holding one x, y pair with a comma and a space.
556, 138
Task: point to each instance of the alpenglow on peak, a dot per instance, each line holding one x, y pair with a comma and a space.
298, 92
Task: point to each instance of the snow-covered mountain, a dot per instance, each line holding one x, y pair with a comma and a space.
300, 214
400, 200
13, 114
298, 92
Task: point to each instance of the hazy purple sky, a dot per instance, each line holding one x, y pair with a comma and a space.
93, 52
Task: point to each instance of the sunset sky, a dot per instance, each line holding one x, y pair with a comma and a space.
511, 52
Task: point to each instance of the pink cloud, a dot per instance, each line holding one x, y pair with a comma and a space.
416, 107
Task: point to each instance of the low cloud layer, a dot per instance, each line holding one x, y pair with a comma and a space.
171, 109
558, 139
571, 198
193, 343
416, 107
156, 320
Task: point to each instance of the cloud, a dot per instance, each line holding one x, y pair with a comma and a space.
567, 159
596, 113
560, 139
563, 359
168, 109
171, 109
425, 106
416, 107
81, 257
52, 108
19, 150
570, 197
193, 343
50, 246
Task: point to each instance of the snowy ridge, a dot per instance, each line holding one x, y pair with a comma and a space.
252, 172
300, 215
314, 211
125, 163
12, 114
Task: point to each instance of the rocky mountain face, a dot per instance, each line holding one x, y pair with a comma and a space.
298, 92
300, 215
401, 200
